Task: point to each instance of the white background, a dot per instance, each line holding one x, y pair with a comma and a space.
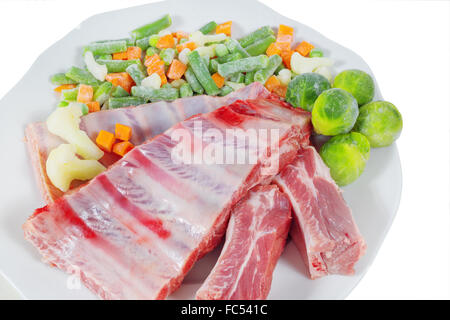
406, 44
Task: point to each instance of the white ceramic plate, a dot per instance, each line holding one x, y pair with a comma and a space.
374, 197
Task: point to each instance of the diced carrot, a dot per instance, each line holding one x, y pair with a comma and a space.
285, 33
85, 93
121, 148
218, 79
120, 55
176, 70
163, 79
158, 68
134, 53
166, 41
123, 132
180, 35
272, 83
224, 28
93, 106
274, 48
105, 140
286, 56
149, 60
280, 90
122, 79
65, 87
304, 48
188, 44
285, 37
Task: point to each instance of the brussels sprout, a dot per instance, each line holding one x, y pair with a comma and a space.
358, 83
380, 122
335, 111
304, 89
346, 156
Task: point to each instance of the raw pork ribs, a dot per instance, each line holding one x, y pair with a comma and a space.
134, 231
323, 228
255, 238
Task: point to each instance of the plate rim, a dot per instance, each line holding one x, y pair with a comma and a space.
84, 22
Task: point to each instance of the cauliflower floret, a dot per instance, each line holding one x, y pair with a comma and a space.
152, 81
183, 55
201, 39
285, 76
63, 166
300, 64
325, 71
64, 122
99, 71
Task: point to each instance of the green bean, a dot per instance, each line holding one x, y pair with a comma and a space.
136, 73
316, 53
206, 60
96, 86
103, 92
152, 28
107, 47
238, 77
256, 35
143, 43
151, 51
260, 46
213, 65
104, 57
167, 55
225, 90
119, 65
243, 65
234, 46
249, 77
229, 57
153, 40
60, 78
114, 103
119, 92
264, 74
193, 82
63, 103
162, 94
70, 94
201, 72
81, 76
221, 50
186, 91
209, 27
84, 109
130, 42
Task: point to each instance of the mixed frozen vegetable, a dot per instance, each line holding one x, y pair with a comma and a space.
155, 64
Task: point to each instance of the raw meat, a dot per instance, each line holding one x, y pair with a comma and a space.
255, 238
147, 121
323, 228
134, 231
